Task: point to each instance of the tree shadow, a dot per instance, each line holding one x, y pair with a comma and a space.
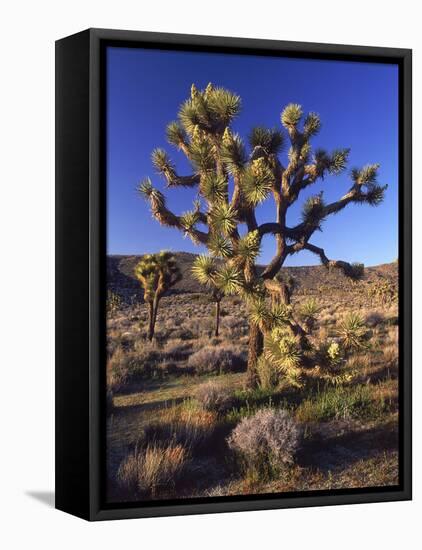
45, 497
162, 404
348, 448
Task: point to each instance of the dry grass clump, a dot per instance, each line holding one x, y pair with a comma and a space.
152, 469
216, 360
184, 425
212, 396
266, 442
143, 362
117, 371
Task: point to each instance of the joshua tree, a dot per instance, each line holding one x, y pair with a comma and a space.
156, 273
232, 183
216, 296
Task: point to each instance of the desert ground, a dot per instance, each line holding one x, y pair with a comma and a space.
177, 405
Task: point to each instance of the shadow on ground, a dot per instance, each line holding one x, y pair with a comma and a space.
349, 447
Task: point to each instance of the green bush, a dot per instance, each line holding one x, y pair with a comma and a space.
340, 402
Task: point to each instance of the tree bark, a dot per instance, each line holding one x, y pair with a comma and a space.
151, 323
154, 314
256, 346
217, 318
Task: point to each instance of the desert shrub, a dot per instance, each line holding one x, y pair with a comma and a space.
211, 359
234, 323
355, 402
182, 333
142, 363
114, 303
353, 332
391, 356
177, 349
374, 318
213, 397
266, 442
329, 354
148, 470
117, 371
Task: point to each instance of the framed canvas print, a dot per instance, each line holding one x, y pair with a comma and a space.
233, 274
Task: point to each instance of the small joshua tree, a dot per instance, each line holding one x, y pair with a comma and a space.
216, 296
231, 183
156, 273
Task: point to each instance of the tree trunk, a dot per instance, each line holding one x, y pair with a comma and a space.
151, 322
217, 318
256, 346
154, 314
285, 294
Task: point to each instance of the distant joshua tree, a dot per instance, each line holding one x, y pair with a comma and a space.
232, 183
156, 273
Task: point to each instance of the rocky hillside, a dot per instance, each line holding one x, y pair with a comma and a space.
120, 278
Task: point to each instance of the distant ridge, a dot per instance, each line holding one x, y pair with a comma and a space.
121, 280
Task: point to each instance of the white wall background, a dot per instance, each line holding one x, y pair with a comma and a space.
29, 29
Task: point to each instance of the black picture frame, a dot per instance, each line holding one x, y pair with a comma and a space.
80, 272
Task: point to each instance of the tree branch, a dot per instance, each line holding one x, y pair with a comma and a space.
174, 180
350, 270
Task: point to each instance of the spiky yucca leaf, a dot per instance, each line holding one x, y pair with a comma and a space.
214, 187
271, 140
322, 161
268, 318
375, 194
248, 247
175, 134
229, 279
311, 125
259, 313
310, 308
279, 315
220, 246
313, 210
291, 115
204, 270
338, 161
366, 175
202, 155
251, 292
161, 160
146, 189
257, 182
308, 312
223, 218
188, 116
305, 151
353, 332
233, 153
208, 90
224, 105
285, 354
189, 219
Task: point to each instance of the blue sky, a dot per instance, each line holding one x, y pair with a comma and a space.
357, 103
